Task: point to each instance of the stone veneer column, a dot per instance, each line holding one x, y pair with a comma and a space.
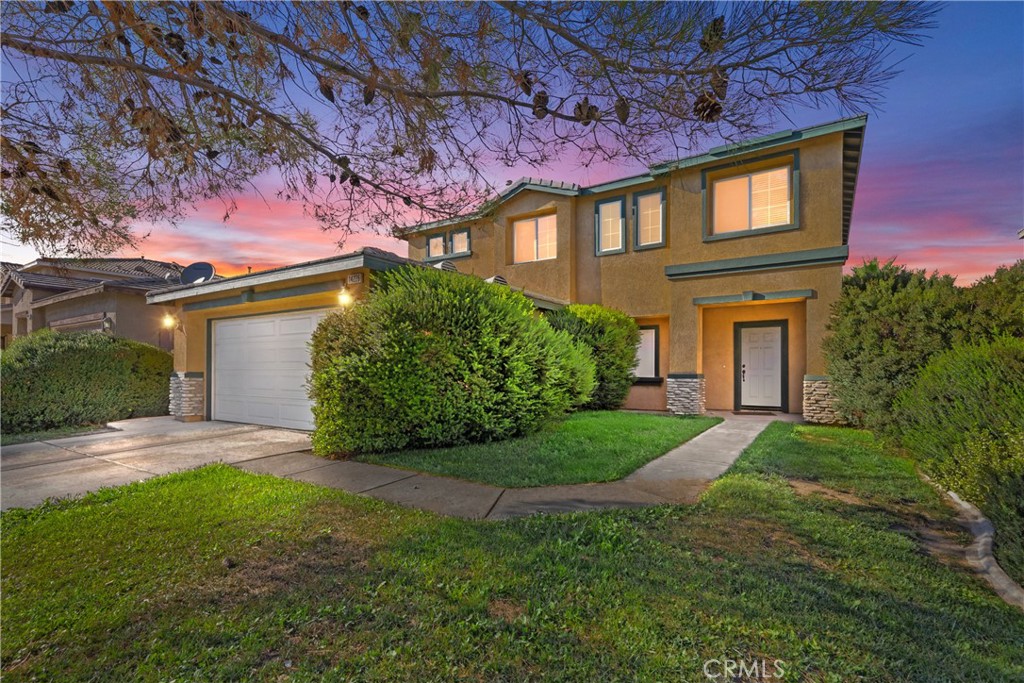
819, 401
188, 396
686, 394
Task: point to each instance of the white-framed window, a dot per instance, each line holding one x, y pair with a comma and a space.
649, 217
647, 354
610, 225
535, 239
435, 246
458, 242
762, 199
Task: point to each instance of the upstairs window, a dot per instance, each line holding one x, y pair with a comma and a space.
649, 219
535, 239
458, 242
610, 226
435, 246
752, 201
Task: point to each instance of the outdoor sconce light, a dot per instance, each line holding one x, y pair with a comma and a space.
108, 325
344, 297
169, 322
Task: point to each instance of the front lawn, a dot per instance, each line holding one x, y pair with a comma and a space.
218, 575
590, 446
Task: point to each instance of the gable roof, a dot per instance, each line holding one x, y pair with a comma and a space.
367, 257
853, 138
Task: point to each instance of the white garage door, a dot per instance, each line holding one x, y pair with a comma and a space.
260, 369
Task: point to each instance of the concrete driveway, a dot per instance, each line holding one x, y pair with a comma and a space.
138, 449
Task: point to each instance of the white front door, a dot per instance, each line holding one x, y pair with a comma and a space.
261, 367
761, 367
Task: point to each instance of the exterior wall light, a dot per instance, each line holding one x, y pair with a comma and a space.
169, 322
345, 297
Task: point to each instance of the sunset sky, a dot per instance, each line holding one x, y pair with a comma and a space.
941, 184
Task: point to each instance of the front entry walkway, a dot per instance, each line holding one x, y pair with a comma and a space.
148, 447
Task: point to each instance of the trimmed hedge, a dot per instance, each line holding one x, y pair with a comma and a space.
963, 420
437, 359
612, 337
58, 379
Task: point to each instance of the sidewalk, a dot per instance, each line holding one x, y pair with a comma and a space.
679, 476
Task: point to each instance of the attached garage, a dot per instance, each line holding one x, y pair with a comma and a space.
260, 369
241, 344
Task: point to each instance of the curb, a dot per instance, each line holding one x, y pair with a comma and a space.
979, 552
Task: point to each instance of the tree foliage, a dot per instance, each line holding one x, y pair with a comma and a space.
887, 323
375, 114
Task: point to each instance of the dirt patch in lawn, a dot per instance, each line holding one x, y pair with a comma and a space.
505, 610
940, 539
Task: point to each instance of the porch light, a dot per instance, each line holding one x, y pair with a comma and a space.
169, 322
344, 297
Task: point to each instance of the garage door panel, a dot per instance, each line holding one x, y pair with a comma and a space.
261, 367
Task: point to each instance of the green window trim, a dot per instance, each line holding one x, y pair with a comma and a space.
636, 220
621, 199
451, 243
707, 197
645, 379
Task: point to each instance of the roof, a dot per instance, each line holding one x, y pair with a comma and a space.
852, 128
134, 267
367, 257
43, 281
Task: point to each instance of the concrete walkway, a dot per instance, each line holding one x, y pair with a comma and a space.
147, 447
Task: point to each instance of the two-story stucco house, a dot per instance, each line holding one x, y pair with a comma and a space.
729, 261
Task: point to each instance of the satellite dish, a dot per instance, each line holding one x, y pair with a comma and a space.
497, 280
446, 266
196, 273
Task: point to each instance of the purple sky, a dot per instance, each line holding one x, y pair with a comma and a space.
941, 184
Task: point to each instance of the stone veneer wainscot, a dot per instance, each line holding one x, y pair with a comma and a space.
686, 395
188, 396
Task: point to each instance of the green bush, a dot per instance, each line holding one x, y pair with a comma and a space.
612, 337
56, 379
963, 420
437, 359
970, 389
995, 304
886, 324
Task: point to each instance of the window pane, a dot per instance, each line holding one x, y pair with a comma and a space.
460, 242
435, 246
525, 236
610, 218
648, 210
770, 197
646, 353
547, 237
731, 204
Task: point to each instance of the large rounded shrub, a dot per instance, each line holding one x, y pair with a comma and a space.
433, 358
963, 419
612, 337
58, 379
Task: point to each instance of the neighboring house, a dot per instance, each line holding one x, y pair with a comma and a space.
729, 261
6, 308
98, 294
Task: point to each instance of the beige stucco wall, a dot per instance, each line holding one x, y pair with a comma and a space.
652, 396
131, 316
717, 348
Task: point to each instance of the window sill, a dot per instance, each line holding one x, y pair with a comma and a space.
540, 260
648, 381
610, 252
752, 233
447, 257
647, 247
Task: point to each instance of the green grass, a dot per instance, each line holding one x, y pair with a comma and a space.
586, 447
48, 434
131, 584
